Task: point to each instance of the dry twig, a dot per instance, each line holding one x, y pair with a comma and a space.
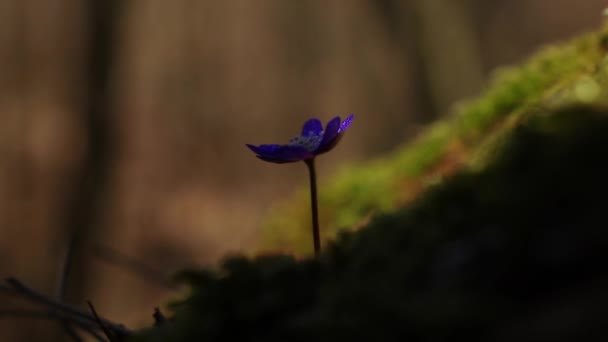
58, 310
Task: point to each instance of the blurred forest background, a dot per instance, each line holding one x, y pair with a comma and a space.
123, 123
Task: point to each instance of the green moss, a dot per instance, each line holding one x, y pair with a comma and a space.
574, 72
514, 251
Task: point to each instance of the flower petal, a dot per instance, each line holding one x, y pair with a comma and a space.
264, 149
280, 153
329, 136
346, 123
312, 127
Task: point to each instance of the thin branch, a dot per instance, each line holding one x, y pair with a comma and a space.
103, 327
66, 267
52, 315
63, 282
18, 288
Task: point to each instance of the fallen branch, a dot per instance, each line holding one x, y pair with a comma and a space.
61, 311
54, 316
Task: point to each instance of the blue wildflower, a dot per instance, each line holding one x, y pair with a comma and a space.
312, 142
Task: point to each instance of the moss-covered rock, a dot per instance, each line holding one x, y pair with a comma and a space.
516, 251
512, 245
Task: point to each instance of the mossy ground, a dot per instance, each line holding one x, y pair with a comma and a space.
516, 251
512, 245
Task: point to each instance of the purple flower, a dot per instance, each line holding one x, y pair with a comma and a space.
312, 142
305, 147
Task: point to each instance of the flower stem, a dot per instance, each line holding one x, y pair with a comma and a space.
313, 201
